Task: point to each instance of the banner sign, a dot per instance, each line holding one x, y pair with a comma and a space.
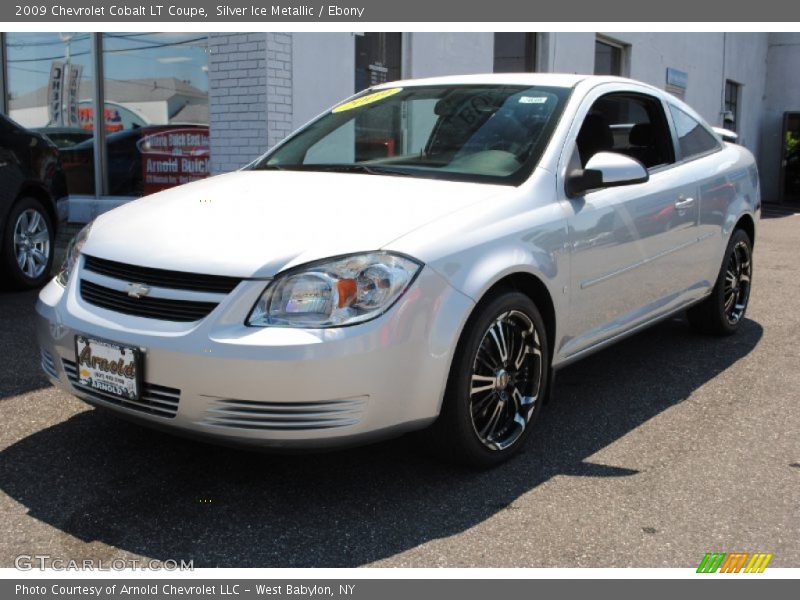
62, 94
172, 157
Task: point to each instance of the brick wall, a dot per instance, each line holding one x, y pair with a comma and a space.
279, 86
250, 95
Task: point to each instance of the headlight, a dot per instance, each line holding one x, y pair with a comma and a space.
343, 291
73, 254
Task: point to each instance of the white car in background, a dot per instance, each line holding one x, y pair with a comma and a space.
423, 255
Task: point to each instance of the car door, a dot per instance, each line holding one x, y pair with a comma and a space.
698, 174
12, 174
629, 244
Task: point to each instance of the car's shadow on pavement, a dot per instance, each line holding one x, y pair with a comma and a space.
19, 354
97, 478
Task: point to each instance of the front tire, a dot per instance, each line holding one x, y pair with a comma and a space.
723, 311
26, 255
496, 385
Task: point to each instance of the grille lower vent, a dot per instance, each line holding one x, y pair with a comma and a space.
178, 280
165, 309
154, 399
282, 416
48, 364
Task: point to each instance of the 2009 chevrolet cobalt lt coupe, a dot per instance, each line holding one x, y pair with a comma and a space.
424, 255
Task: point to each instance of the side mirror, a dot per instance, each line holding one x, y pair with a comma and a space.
726, 134
605, 169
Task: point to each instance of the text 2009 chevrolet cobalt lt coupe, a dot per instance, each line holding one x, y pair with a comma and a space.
423, 255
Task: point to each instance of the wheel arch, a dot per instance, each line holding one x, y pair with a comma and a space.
33, 190
532, 286
748, 225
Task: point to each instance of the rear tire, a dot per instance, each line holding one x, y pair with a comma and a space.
497, 383
723, 311
27, 245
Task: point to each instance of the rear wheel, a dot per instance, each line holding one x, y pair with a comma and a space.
497, 383
723, 311
26, 254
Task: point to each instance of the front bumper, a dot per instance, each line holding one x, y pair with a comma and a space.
282, 387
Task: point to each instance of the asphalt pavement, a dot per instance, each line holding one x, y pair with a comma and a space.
658, 450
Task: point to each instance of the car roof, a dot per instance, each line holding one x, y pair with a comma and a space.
567, 80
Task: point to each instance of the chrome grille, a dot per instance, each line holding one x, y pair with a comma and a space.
154, 399
48, 364
165, 309
253, 414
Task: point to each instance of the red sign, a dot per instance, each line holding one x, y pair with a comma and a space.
112, 118
173, 157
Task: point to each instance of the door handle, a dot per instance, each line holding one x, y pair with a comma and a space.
684, 203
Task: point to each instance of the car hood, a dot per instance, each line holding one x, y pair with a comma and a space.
257, 223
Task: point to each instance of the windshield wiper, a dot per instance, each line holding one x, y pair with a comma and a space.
358, 168
343, 168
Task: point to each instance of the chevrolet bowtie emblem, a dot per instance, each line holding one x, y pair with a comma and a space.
138, 290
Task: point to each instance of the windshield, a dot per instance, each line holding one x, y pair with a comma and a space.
485, 133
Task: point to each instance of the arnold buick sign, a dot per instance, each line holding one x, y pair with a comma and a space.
173, 157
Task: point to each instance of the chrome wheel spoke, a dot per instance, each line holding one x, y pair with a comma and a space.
31, 243
481, 383
30, 266
504, 383
22, 222
40, 237
499, 340
491, 424
737, 283
479, 407
38, 257
34, 222
729, 300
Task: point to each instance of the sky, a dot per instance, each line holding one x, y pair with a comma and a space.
125, 56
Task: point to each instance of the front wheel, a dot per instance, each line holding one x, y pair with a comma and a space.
497, 383
723, 311
26, 254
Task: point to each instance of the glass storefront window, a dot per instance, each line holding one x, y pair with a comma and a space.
378, 57
50, 76
156, 110
514, 52
155, 117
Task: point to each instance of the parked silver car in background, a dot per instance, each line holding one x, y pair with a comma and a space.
424, 255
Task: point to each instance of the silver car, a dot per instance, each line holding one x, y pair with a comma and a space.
423, 256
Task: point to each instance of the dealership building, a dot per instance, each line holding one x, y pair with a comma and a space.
235, 95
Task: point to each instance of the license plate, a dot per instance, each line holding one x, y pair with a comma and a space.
108, 367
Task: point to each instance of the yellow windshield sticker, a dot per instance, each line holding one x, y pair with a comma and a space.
368, 99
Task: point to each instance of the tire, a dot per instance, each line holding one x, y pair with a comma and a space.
491, 401
27, 245
723, 311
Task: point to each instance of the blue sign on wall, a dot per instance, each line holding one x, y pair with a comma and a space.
676, 78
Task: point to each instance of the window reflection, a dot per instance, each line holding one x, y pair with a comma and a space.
49, 79
155, 113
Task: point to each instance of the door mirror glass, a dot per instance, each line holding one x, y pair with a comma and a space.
605, 169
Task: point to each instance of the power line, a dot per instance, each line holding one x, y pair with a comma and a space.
114, 51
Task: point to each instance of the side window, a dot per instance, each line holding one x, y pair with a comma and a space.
631, 124
693, 138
